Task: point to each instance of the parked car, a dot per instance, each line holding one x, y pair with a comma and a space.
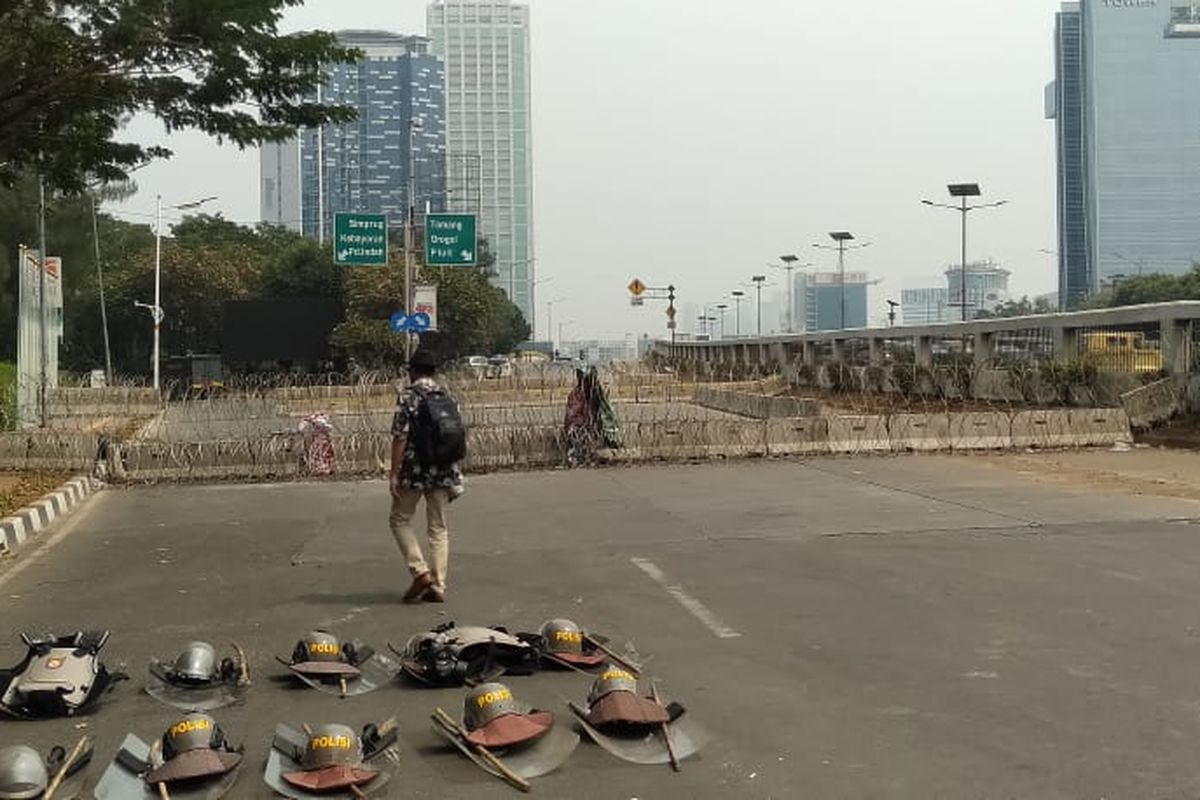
500, 367
475, 366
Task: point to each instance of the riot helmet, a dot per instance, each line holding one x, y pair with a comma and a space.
318, 647
562, 636
193, 732
612, 679
23, 773
197, 662
331, 746
487, 702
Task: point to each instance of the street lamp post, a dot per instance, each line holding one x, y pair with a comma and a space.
962, 191
759, 280
842, 238
156, 311
790, 265
722, 307
737, 301
550, 318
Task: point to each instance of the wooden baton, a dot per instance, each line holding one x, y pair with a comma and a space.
510, 777
68, 762
666, 728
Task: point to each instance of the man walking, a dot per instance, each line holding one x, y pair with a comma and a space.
428, 442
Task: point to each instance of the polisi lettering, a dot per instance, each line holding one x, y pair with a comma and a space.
324, 648
188, 726
616, 675
493, 697
575, 637
329, 743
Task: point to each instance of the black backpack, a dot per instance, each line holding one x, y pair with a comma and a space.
439, 437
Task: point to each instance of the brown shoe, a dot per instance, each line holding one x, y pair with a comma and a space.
420, 586
435, 595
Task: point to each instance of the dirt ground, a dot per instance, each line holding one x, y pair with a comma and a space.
19, 489
1181, 433
1141, 470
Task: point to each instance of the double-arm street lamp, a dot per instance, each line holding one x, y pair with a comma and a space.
963, 191
737, 296
842, 241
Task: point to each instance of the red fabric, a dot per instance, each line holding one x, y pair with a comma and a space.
627, 707
512, 729
339, 776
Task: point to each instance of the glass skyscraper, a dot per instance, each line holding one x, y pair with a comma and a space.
484, 45
363, 166
1127, 104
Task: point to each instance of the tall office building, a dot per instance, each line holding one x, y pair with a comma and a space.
924, 304
828, 305
363, 166
484, 45
1127, 109
987, 289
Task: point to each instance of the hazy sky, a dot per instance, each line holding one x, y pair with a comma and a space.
690, 142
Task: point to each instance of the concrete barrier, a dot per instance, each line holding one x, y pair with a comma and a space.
1155, 403
859, 434
1042, 429
1093, 427
799, 436
64, 403
919, 432
49, 450
756, 406
981, 430
695, 439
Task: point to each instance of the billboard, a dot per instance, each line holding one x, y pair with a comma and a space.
280, 329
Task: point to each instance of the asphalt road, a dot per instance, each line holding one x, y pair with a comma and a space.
924, 627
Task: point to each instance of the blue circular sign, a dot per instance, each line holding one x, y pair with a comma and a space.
419, 322
400, 322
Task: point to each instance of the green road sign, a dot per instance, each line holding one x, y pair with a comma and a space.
360, 240
450, 240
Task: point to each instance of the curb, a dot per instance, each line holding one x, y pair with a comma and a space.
31, 521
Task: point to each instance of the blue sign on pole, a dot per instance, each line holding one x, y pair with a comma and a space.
417, 323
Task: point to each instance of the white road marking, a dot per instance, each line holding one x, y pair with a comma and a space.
697, 609
30, 553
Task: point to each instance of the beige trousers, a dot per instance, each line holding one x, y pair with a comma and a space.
404, 508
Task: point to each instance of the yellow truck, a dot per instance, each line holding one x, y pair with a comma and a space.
1122, 351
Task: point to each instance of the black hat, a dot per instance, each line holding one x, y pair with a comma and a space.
424, 359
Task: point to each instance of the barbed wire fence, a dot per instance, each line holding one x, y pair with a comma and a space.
863, 399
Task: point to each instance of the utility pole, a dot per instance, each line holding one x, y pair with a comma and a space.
320, 161
43, 333
409, 223
108, 368
892, 304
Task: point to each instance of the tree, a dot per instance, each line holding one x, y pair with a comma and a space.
73, 71
1018, 308
474, 316
1157, 288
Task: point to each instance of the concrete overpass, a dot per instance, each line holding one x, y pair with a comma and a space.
1170, 326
